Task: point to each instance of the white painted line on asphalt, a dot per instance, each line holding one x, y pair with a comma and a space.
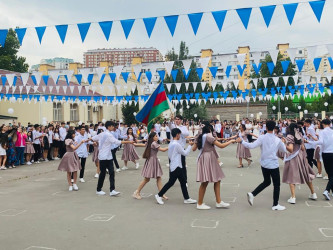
11, 212
46, 179
327, 232
230, 199
236, 174
100, 217
206, 224
311, 204
38, 247
231, 184
143, 195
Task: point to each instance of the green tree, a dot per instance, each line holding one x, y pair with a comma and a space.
128, 111
8, 54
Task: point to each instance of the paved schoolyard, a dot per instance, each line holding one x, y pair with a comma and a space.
37, 212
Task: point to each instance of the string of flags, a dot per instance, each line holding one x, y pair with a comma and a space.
171, 21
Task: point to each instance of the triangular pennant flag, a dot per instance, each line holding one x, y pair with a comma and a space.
327, 75
213, 71
35, 88
203, 85
187, 64
244, 15
255, 82
20, 32
312, 52
127, 26
100, 72
85, 73
168, 66
38, 76
225, 85
45, 79
241, 69
316, 63
285, 65
20, 88
300, 64
271, 67
267, 13
78, 78
54, 74
256, 57
102, 79
90, 78
7, 89
62, 31
199, 72
275, 80
186, 75
306, 79
57, 89
125, 75
3, 36
214, 84
274, 55
228, 70
93, 87
83, 29
194, 84
50, 89
25, 78
204, 61
71, 88
241, 58
290, 10
178, 86
137, 70
292, 53
148, 75
79, 87
117, 69
168, 85
186, 85
285, 79
106, 28
68, 75
295, 78
174, 73
161, 73
171, 22
236, 82
149, 24
318, 77
219, 17
195, 19
10, 79
257, 68
317, 7
64, 88
265, 81
13, 89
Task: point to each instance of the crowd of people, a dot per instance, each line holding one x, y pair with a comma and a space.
301, 144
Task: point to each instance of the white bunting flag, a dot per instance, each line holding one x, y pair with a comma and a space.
38, 76
204, 61
117, 70
312, 52
168, 66
187, 64
28, 89
295, 78
318, 78
64, 88
69, 74
20, 88
100, 71
71, 88
275, 80
274, 55
246, 83
225, 85
35, 88
214, 82
178, 86
236, 82
13, 89
306, 79
57, 89
328, 76
93, 87
50, 89
168, 85
241, 58
211, 100
203, 85
265, 81
44, 89
285, 79
194, 84
256, 57
186, 85
10, 79
54, 74
137, 69
292, 54
85, 73
255, 82
79, 87
25, 78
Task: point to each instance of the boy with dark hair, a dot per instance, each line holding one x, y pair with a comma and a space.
269, 145
174, 153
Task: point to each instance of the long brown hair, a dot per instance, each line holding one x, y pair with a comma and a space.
146, 153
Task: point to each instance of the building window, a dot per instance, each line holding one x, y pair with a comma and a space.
74, 112
89, 113
57, 112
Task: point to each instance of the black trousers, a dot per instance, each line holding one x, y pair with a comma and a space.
62, 148
114, 158
328, 164
176, 174
310, 153
249, 138
49, 155
106, 164
184, 167
38, 152
83, 165
268, 174
168, 136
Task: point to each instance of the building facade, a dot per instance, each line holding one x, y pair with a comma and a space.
92, 58
57, 63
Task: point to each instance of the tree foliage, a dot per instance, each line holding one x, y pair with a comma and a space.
9, 59
128, 111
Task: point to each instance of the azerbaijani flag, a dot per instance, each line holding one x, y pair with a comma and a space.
156, 105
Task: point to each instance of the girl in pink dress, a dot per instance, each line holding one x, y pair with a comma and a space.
70, 162
209, 169
296, 167
129, 152
152, 167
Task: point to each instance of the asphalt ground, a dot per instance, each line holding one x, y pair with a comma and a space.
38, 212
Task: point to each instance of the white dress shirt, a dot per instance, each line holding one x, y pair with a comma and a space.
325, 139
310, 130
35, 135
218, 127
117, 136
157, 127
269, 145
81, 151
62, 133
105, 142
50, 136
183, 135
175, 152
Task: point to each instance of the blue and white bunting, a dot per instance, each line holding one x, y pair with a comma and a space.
62, 31
244, 15
40, 32
83, 29
127, 26
149, 24
290, 10
285, 65
3, 36
106, 28
219, 17
20, 32
195, 19
267, 13
171, 22
317, 7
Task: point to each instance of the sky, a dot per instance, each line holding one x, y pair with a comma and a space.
305, 30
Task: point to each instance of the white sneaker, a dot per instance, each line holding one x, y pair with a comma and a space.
70, 188
46, 160
75, 187
56, 158
137, 165
3, 168
278, 207
222, 205
325, 177
82, 180
29, 163
168, 165
72, 180
203, 206
124, 168
221, 163
100, 192
190, 201
159, 199
313, 196
250, 198
37, 162
292, 200
118, 170
114, 193
326, 195
319, 175
96, 175
186, 185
